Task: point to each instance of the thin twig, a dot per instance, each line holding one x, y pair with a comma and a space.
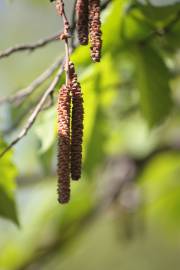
73, 25
25, 92
65, 35
35, 112
27, 111
29, 47
20, 118
67, 60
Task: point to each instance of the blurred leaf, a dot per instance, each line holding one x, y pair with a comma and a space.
160, 181
82, 202
159, 10
46, 159
153, 84
173, 37
45, 129
102, 85
135, 27
8, 173
112, 24
95, 146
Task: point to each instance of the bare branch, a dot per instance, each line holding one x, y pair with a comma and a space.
25, 92
29, 47
65, 35
35, 112
73, 25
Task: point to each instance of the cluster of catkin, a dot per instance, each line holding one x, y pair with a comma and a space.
70, 134
89, 26
70, 101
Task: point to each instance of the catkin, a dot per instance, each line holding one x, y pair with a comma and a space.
82, 21
95, 30
63, 166
76, 125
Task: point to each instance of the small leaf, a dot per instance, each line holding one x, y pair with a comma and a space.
8, 173
159, 10
153, 84
45, 129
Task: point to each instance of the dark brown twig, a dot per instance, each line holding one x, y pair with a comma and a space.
65, 35
29, 47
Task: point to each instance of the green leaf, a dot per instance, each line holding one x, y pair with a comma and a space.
45, 129
100, 91
135, 28
172, 39
95, 144
162, 10
160, 181
112, 24
153, 84
8, 173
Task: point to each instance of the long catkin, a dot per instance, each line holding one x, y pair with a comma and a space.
63, 166
82, 21
95, 29
76, 125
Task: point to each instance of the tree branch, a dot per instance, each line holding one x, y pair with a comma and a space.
25, 92
35, 112
65, 35
29, 47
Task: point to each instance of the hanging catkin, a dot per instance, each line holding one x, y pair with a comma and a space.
63, 168
95, 30
82, 21
76, 125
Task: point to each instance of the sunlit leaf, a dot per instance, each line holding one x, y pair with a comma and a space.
45, 129
160, 182
135, 28
8, 173
153, 84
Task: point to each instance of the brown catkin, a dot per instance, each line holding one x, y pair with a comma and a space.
76, 125
95, 30
82, 21
63, 166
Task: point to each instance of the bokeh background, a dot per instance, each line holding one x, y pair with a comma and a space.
125, 211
